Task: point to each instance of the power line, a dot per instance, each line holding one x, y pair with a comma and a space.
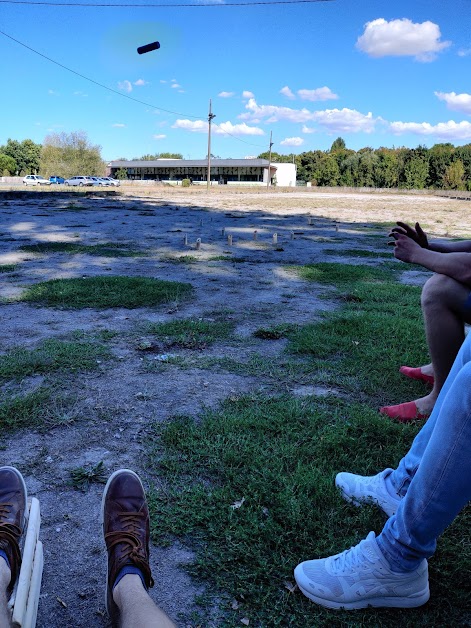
110, 89
164, 4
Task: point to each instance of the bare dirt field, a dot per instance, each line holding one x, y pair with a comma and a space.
105, 414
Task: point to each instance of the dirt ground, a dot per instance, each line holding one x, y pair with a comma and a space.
113, 407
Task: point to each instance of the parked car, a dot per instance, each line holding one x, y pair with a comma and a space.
112, 181
56, 179
100, 181
79, 180
35, 179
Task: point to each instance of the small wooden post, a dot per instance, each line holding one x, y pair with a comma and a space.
309, 220
275, 238
223, 231
185, 240
255, 234
291, 235
198, 244
229, 240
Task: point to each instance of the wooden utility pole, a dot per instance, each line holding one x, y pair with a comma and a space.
210, 118
269, 162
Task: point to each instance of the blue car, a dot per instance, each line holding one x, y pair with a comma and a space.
56, 179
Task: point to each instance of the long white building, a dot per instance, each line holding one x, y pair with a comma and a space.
223, 171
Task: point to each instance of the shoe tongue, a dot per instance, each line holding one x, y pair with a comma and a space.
368, 548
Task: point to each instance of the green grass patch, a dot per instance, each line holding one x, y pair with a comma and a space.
51, 355
7, 268
343, 274
106, 291
227, 258
250, 487
190, 333
107, 249
362, 253
180, 259
82, 477
21, 411
274, 333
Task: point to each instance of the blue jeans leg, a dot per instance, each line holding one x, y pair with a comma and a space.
435, 475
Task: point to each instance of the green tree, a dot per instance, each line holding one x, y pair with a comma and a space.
26, 155
7, 165
440, 157
416, 173
69, 154
338, 144
386, 169
160, 156
277, 158
328, 172
121, 174
453, 179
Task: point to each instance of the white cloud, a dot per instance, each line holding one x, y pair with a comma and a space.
118, 125
237, 129
287, 92
246, 94
80, 94
51, 92
292, 141
140, 82
162, 81
450, 130
125, 86
464, 52
333, 120
196, 126
175, 85
321, 93
402, 37
307, 129
161, 136
226, 94
456, 102
345, 121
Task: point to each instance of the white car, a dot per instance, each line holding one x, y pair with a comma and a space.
80, 181
35, 179
111, 181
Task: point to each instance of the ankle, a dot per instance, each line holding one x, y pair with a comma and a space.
5, 574
129, 584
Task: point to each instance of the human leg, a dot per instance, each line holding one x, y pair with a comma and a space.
441, 484
444, 306
126, 531
12, 519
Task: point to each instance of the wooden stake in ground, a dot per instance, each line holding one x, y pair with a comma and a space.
255, 234
229, 240
275, 238
198, 244
26, 597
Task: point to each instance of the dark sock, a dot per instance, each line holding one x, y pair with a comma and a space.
128, 569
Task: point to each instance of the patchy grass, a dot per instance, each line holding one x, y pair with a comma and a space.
357, 253
190, 333
250, 484
21, 411
105, 292
82, 477
274, 333
51, 355
7, 268
227, 258
180, 259
107, 249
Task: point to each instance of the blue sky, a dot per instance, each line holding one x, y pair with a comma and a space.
376, 73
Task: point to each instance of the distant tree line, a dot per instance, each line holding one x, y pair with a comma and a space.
62, 154
443, 166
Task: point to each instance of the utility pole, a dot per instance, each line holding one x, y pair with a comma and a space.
269, 162
210, 118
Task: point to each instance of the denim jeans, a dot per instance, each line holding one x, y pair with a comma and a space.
434, 477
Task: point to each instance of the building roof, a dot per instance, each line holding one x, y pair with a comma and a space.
190, 163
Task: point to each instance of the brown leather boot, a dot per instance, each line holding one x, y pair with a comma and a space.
126, 530
12, 518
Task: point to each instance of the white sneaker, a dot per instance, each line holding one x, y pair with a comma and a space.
361, 577
358, 489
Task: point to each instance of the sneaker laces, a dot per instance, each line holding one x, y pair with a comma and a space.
350, 559
134, 553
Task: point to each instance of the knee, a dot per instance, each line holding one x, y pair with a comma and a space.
440, 291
